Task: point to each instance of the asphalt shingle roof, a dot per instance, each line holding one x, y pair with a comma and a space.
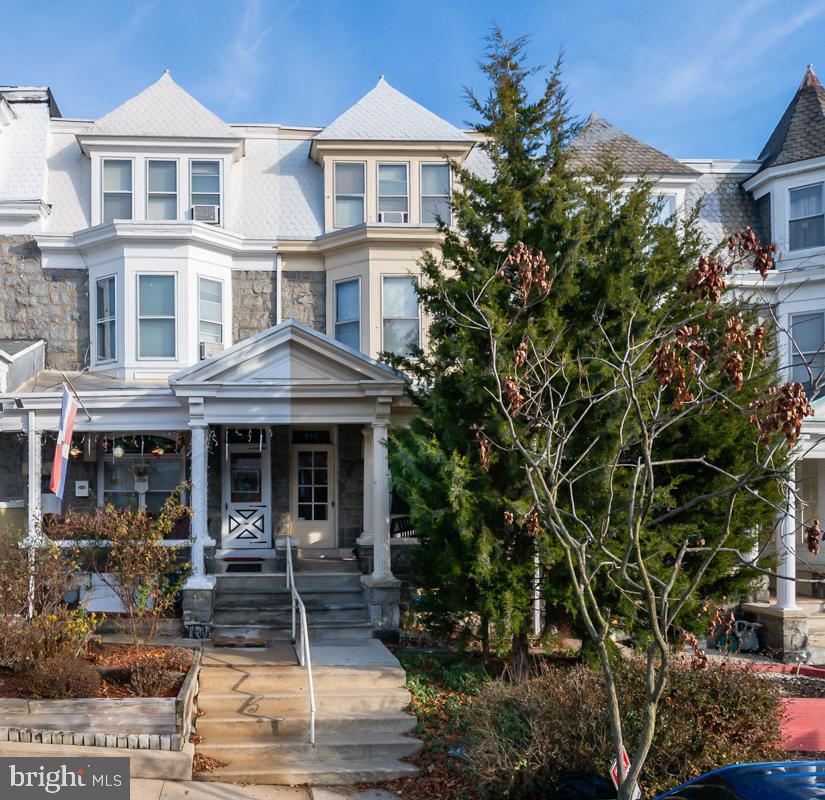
384, 114
800, 133
599, 141
163, 109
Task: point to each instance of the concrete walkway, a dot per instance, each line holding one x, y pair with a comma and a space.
188, 790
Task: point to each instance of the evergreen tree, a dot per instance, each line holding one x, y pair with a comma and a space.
611, 258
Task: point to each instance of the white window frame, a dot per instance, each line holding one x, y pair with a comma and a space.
222, 284
105, 320
134, 459
335, 322
421, 194
140, 316
219, 162
791, 219
808, 357
103, 191
413, 279
175, 194
363, 165
378, 194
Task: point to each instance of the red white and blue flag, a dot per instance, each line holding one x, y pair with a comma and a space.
68, 411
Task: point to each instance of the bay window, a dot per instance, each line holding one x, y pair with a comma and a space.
807, 349
161, 190
117, 189
106, 326
393, 199
807, 218
349, 194
210, 311
435, 193
348, 313
156, 316
401, 326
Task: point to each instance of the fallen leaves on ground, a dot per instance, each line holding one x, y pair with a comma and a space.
202, 763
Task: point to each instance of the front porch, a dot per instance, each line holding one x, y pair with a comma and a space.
282, 436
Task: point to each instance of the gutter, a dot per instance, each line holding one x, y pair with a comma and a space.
279, 305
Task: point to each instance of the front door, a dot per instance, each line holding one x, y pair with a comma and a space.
247, 518
313, 495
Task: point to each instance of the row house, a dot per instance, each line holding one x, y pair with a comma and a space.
218, 296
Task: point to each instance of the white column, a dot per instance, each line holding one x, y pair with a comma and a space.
786, 552
200, 532
34, 469
368, 487
381, 502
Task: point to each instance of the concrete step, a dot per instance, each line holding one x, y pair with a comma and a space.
318, 631
816, 623
238, 598
345, 612
288, 748
265, 680
314, 772
249, 726
273, 583
284, 703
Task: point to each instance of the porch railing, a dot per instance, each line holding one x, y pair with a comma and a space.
300, 636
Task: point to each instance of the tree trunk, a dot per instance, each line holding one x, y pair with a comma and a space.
485, 638
520, 658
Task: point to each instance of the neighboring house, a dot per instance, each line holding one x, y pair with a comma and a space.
218, 295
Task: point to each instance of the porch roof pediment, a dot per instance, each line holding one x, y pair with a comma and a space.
289, 358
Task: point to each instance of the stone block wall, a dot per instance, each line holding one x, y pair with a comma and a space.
49, 304
280, 443
305, 298
350, 485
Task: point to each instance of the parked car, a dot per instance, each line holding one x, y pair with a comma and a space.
775, 780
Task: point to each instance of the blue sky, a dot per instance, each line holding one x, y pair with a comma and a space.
693, 78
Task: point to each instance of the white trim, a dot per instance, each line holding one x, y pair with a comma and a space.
330, 539
147, 192
378, 165
363, 165
413, 279
96, 321
784, 170
359, 319
200, 277
103, 192
421, 194
221, 204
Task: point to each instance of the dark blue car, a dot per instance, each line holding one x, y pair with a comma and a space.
775, 780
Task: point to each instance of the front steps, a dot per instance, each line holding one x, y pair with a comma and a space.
254, 715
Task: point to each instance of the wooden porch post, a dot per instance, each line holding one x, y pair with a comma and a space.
786, 550
200, 532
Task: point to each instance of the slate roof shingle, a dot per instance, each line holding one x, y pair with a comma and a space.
800, 133
163, 109
599, 140
726, 208
385, 114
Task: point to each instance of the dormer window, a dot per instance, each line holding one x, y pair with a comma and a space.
807, 220
162, 189
350, 184
393, 196
435, 193
117, 189
666, 205
206, 187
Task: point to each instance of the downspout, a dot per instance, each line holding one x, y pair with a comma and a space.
279, 298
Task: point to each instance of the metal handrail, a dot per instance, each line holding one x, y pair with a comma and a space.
301, 643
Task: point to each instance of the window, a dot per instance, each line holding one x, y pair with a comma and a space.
348, 313
763, 212
117, 189
435, 193
211, 311
313, 485
401, 325
349, 194
206, 183
156, 316
161, 190
807, 221
666, 204
106, 329
807, 348
161, 475
393, 197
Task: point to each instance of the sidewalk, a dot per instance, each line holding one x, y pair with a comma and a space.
143, 789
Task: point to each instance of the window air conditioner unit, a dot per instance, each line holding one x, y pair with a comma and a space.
210, 214
392, 216
209, 349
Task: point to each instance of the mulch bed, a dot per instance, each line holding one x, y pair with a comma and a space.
114, 661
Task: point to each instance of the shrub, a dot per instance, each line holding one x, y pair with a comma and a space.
63, 676
153, 675
525, 735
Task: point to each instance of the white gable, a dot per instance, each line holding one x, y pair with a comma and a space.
163, 109
385, 114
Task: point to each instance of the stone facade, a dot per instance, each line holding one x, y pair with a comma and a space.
254, 302
280, 444
49, 304
305, 298
350, 485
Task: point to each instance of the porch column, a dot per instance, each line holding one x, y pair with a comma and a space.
786, 551
200, 532
369, 515
381, 502
34, 470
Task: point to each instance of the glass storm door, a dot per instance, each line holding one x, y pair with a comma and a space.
246, 508
313, 495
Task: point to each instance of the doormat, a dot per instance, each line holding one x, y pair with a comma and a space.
237, 641
246, 566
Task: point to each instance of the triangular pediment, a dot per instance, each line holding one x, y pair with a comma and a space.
290, 355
